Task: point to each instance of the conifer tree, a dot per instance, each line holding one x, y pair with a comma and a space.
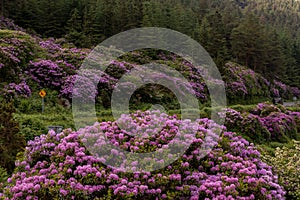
11, 142
247, 44
74, 28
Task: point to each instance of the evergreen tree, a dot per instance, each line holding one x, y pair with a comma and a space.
212, 37
247, 43
74, 28
288, 62
294, 73
11, 142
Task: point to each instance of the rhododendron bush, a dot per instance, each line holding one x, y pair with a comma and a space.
59, 166
13, 90
52, 64
16, 50
29, 61
264, 123
242, 82
9, 24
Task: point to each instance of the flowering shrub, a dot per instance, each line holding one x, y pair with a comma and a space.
73, 56
16, 50
186, 68
264, 123
295, 91
85, 81
15, 90
50, 46
233, 119
244, 82
296, 116
281, 126
286, 164
275, 92
59, 166
264, 109
254, 128
281, 87
249, 125
117, 69
46, 73
69, 54
9, 24
20, 51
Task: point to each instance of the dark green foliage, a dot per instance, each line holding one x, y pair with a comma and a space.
212, 37
14, 43
262, 34
74, 28
247, 42
11, 142
33, 123
3, 177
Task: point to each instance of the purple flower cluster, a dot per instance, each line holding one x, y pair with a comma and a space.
85, 85
238, 87
264, 123
17, 60
275, 92
50, 46
241, 81
9, 24
11, 53
14, 51
193, 74
117, 69
16, 90
232, 118
295, 91
281, 86
264, 109
46, 73
73, 56
59, 166
283, 90
281, 126
56, 52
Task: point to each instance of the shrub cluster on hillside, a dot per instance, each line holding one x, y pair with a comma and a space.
262, 34
265, 123
60, 166
244, 83
29, 63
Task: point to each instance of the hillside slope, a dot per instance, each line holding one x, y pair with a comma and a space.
29, 63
